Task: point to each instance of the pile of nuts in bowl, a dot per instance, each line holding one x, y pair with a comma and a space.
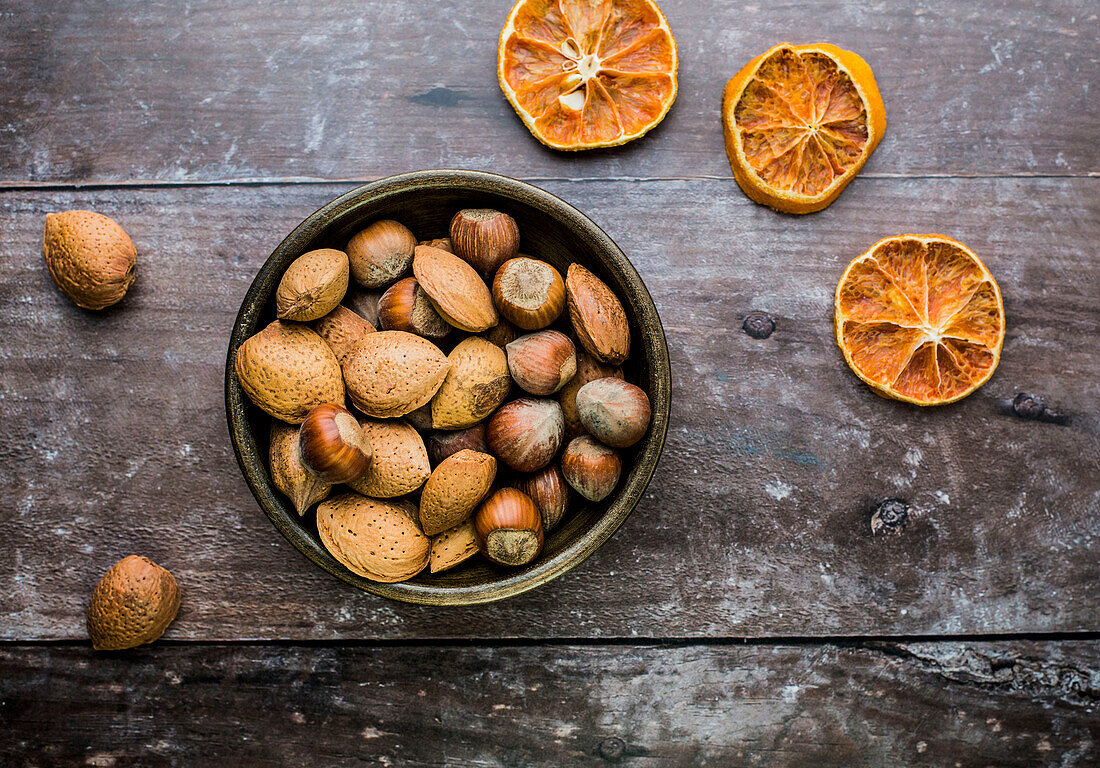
438, 462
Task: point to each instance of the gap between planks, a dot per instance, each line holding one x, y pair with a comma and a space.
245, 181
871, 642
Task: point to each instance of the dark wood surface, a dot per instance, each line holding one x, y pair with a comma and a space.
208, 130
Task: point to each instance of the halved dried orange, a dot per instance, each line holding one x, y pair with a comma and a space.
800, 121
587, 73
920, 319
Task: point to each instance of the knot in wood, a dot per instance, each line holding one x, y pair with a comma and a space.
890, 515
612, 748
759, 325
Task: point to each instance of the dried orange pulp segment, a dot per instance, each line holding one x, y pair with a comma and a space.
920, 319
587, 73
800, 121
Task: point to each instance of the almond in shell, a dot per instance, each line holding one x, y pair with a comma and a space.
597, 316
455, 289
90, 257
287, 473
476, 384
342, 329
312, 285
132, 604
454, 489
286, 369
390, 373
399, 462
452, 547
375, 539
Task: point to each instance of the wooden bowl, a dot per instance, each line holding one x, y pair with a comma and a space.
550, 229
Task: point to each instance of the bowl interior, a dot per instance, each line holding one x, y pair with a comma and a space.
550, 230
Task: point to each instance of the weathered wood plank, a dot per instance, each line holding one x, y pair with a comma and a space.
757, 522
1011, 704
100, 91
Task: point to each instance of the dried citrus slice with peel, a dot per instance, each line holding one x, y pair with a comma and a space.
920, 319
800, 121
587, 73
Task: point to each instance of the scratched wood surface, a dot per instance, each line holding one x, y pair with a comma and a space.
923, 704
209, 129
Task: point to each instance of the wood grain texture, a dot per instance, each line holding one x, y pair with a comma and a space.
950, 704
757, 522
121, 91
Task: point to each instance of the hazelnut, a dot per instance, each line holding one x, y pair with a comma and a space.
588, 369
529, 292
381, 253
485, 238
613, 411
526, 433
509, 528
405, 307
543, 362
421, 418
501, 334
444, 444
591, 468
364, 304
547, 488
332, 446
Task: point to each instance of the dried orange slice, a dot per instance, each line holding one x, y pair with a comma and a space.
920, 319
800, 122
587, 73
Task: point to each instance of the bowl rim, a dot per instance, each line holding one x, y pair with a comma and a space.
652, 338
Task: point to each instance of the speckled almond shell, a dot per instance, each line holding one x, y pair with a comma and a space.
454, 489
287, 369
390, 373
132, 604
588, 369
597, 316
342, 329
475, 386
373, 538
399, 462
89, 256
455, 288
312, 285
287, 473
453, 546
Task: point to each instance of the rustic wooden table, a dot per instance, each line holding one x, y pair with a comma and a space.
745, 614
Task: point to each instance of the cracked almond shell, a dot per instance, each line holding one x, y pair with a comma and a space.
132, 604
475, 386
399, 461
376, 539
452, 547
286, 369
89, 256
391, 373
597, 316
454, 489
455, 288
312, 285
